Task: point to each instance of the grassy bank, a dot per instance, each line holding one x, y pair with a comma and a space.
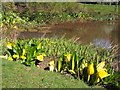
15, 75
101, 8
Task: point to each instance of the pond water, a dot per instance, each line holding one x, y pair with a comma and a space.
104, 34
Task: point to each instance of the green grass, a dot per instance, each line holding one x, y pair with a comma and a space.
103, 9
15, 75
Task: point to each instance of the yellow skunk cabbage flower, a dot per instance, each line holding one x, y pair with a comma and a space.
101, 71
9, 45
23, 53
90, 70
15, 56
40, 57
72, 71
23, 57
100, 66
10, 58
51, 65
102, 74
39, 46
84, 65
68, 57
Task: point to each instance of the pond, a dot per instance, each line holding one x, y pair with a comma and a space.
103, 34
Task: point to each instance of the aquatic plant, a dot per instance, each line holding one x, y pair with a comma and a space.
85, 62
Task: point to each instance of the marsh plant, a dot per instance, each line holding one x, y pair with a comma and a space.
85, 62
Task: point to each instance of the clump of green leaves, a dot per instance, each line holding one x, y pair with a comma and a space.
28, 52
85, 62
10, 18
88, 71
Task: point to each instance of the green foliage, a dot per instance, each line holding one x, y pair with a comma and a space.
49, 13
11, 19
72, 57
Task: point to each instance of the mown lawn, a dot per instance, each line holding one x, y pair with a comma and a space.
19, 76
15, 75
103, 9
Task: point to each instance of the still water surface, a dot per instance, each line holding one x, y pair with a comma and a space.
104, 34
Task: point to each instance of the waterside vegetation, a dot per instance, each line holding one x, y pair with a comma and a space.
88, 63
39, 14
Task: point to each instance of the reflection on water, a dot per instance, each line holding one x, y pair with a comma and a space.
102, 43
99, 33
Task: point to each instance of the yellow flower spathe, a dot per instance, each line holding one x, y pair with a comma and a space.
72, 71
101, 71
40, 57
10, 58
39, 46
23, 57
9, 45
84, 64
100, 66
90, 69
15, 56
68, 57
102, 74
23, 53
